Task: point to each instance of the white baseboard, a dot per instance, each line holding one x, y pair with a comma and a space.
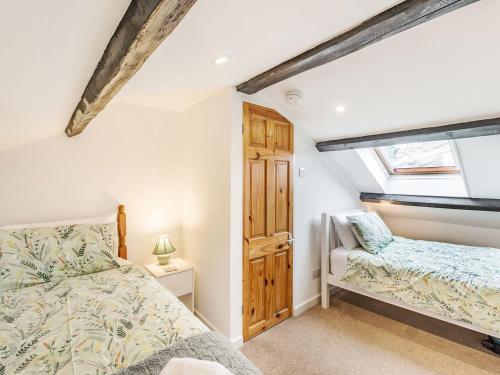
306, 305
237, 341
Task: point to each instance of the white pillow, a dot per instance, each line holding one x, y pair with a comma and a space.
344, 230
187, 366
111, 218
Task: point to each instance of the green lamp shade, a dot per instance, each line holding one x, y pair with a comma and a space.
163, 246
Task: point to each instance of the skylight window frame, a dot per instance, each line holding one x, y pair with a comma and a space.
421, 171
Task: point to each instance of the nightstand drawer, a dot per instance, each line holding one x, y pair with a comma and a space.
178, 283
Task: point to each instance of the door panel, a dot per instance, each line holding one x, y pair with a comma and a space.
258, 198
267, 219
281, 195
282, 136
257, 291
281, 287
257, 131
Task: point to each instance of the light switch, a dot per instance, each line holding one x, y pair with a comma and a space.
302, 172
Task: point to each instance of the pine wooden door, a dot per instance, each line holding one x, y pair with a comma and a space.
267, 219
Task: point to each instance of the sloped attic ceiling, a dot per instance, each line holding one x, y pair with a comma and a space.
54, 47
257, 35
441, 72
437, 72
49, 51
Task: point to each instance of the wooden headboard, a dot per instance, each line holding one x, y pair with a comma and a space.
122, 232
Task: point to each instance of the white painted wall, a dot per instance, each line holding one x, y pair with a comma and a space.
236, 219
179, 174
481, 165
127, 155
356, 169
474, 228
444, 232
211, 208
323, 189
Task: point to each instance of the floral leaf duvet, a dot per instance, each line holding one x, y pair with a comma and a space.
457, 282
95, 323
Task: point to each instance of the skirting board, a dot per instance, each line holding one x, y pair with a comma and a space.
313, 301
306, 305
297, 310
237, 341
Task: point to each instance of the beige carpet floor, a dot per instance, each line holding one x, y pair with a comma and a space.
358, 335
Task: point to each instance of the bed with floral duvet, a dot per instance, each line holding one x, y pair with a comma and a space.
69, 306
458, 282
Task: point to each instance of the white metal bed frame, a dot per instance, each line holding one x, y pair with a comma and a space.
330, 237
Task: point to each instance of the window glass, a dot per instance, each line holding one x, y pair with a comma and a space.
419, 158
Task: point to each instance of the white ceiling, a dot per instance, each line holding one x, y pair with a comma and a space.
442, 71
257, 34
49, 51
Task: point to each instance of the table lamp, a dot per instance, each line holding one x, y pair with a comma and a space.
163, 250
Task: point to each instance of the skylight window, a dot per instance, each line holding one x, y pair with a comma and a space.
419, 158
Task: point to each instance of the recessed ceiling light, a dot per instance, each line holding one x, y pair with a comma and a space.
340, 108
221, 60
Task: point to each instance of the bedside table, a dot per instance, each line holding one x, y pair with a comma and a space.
180, 282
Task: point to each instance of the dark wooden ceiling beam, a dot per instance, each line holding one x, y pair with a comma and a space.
400, 17
474, 204
144, 26
471, 129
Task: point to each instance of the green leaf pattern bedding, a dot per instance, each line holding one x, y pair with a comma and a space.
90, 324
68, 307
34, 256
457, 282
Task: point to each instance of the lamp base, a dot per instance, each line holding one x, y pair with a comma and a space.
163, 259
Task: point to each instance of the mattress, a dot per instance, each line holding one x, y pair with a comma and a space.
461, 283
338, 260
91, 324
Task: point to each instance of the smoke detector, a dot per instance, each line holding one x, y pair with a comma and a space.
293, 97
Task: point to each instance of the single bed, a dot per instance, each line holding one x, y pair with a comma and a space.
454, 283
96, 319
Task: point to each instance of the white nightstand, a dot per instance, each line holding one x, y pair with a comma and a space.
180, 282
